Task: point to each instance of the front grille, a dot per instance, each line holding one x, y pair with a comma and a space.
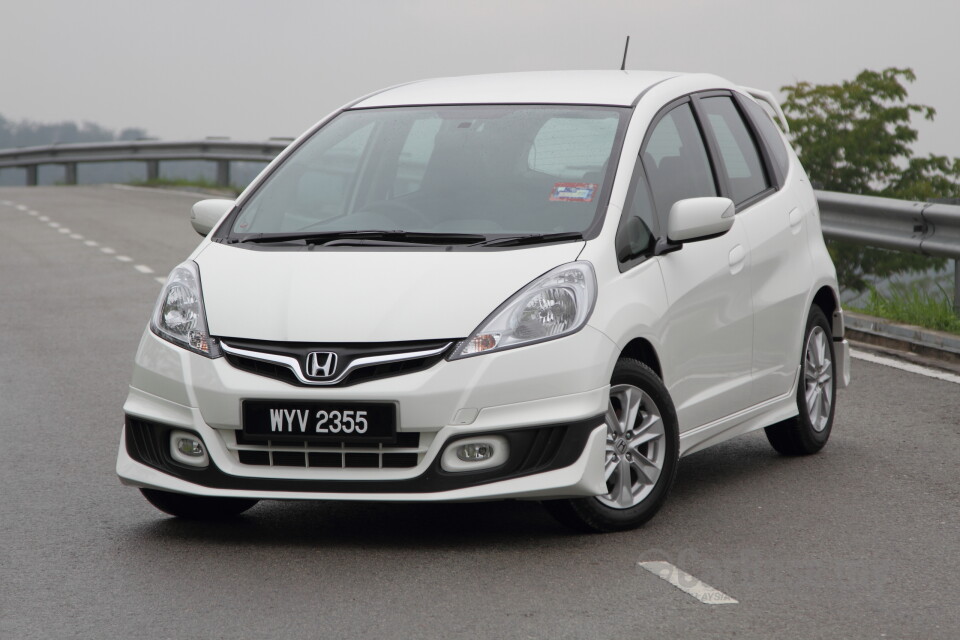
347, 353
407, 452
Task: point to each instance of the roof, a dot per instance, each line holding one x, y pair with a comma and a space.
618, 88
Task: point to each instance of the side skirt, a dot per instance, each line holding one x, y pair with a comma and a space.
756, 417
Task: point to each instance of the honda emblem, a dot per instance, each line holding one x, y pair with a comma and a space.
321, 364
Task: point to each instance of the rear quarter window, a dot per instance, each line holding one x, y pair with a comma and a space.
769, 133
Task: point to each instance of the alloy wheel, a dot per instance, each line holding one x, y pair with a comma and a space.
818, 378
636, 447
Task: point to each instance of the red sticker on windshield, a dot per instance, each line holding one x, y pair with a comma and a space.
573, 192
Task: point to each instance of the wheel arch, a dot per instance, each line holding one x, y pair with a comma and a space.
641, 349
828, 301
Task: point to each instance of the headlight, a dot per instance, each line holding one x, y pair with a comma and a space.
554, 305
179, 316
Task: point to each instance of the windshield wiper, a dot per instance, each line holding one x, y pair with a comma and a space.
393, 236
530, 238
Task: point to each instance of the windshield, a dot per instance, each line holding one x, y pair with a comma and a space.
487, 171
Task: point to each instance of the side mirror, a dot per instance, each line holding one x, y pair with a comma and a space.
699, 219
205, 214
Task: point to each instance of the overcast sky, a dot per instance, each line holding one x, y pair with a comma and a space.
251, 69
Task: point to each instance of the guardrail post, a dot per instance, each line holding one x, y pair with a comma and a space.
153, 170
70, 173
31, 175
956, 287
223, 173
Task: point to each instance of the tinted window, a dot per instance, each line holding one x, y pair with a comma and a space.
675, 160
471, 169
415, 154
635, 235
572, 148
739, 153
769, 133
320, 187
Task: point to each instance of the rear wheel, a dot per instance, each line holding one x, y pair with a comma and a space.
816, 394
641, 455
197, 507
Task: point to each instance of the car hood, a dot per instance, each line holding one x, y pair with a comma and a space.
363, 295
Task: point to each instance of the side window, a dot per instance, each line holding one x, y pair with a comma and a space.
769, 133
738, 151
675, 160
635, 236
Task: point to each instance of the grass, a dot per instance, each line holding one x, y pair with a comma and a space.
197, 183
916, 305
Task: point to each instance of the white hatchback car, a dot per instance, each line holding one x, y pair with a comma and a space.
543, 286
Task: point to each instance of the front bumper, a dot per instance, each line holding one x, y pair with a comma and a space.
548, 400
572, 467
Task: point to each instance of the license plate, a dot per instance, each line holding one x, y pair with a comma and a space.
320, 421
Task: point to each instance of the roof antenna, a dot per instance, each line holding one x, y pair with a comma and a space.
623, 65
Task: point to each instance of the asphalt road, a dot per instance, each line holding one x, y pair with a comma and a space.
859, 541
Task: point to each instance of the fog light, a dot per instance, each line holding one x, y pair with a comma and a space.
474, 454
475, 451
187, 448
190, 447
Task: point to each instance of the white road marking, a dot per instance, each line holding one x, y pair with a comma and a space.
905, 366
687, 583
142, 268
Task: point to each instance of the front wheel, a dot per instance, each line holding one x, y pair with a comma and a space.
816, 394
641, 455
197, 507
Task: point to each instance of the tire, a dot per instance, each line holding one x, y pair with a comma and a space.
816, 393
640, 459
197, 507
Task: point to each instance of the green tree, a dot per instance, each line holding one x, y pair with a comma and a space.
856, 137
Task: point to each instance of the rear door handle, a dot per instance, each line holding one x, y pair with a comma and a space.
796, 217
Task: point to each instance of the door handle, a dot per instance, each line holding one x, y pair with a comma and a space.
796, 217
738, 256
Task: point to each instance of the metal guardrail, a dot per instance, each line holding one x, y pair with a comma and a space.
151, 152
930, 229
926, 228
